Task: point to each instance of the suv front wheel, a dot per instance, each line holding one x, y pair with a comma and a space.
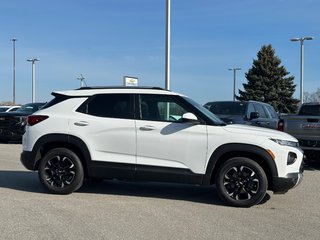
241, 182
61, 171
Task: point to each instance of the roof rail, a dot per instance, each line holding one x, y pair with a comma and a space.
118, 87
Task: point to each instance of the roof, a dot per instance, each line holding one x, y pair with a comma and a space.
88, 91
249, 101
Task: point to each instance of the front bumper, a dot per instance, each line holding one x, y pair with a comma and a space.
283, 184
291, 180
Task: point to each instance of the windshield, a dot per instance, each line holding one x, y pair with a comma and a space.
205, 111
227, 108
3, 109
29, 108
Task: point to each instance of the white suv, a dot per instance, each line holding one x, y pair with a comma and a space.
155, 135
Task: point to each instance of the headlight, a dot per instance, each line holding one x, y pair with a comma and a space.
285, 142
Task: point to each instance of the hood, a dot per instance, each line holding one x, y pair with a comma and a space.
231, 119
258, 131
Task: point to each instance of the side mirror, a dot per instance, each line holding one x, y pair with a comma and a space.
189, 118
254, 115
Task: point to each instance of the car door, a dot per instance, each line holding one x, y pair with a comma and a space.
263, 120
106, 123
164, 141
273, 116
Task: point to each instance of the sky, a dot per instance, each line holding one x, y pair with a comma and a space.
105, 40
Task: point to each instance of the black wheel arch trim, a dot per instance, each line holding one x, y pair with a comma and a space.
233, 150
56, 139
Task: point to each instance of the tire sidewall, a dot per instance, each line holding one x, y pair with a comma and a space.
78, 179
241, 161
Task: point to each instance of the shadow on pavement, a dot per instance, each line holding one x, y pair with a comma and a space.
200, 194
20, 180
312, 166
29, 182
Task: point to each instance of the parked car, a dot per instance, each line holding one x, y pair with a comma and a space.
305, 126
12, 124
246, 112
155, 135
9, 108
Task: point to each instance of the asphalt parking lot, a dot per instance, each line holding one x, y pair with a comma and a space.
124, 210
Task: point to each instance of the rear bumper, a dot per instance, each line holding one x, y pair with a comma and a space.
28, 160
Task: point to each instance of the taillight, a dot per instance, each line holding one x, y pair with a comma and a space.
281, 125
35, 119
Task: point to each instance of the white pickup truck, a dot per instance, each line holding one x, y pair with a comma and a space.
305, 126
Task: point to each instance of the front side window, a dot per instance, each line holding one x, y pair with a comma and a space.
261, 111
160, 108
250, 109
108, 106
271, 111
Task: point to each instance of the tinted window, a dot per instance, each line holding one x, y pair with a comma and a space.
228, 108
108, 105
3, 109
250, 109
271, 111
160, 108
311, 110
30, 107
261, 110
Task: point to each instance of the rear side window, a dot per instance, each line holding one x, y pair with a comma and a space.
109, 106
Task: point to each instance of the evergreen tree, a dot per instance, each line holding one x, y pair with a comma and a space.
267, 82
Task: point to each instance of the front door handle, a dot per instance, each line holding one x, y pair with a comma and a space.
147, 128
81, 123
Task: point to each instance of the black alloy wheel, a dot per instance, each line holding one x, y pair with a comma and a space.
241, 182
61, 171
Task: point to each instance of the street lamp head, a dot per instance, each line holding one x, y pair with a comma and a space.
33, 60
301, 39
308, 38
233, 69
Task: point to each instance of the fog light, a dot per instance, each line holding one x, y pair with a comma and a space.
292, 157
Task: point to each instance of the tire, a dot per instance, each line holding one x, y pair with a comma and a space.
241, 182
61, 171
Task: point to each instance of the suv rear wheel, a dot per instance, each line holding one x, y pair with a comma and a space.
61, 171
241, 182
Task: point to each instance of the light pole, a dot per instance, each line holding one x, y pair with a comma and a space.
14, 70
234, 81
301, 40
168, 33
33, 60
82, 80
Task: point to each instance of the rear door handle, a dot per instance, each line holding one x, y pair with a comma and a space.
81, 123
147, 128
